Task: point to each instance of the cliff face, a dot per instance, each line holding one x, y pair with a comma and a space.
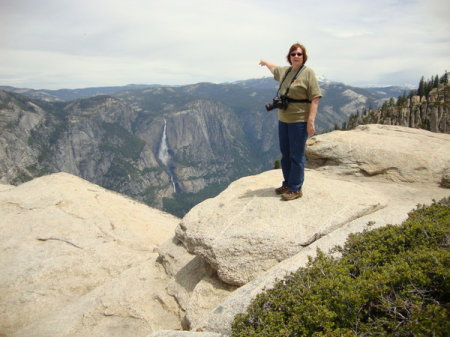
130, 147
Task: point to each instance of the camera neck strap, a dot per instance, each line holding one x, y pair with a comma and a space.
293, 79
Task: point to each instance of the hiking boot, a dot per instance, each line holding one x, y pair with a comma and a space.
291, 195
281, 190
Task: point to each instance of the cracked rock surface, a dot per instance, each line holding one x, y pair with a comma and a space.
79, 260
247, 229
384, 152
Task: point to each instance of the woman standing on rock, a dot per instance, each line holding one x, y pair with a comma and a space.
297, 100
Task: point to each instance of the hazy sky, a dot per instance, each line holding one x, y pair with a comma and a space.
56, 44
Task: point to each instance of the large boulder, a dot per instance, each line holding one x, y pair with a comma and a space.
79, 260
401, 198
387, 152
247, 229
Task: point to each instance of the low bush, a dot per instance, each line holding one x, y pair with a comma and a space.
391, 281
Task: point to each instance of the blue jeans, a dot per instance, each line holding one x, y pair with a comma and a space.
293, 138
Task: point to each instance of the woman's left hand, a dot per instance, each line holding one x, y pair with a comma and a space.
311, 129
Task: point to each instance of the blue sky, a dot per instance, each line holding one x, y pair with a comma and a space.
56, 44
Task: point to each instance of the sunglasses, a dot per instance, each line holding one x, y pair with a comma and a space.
296, 54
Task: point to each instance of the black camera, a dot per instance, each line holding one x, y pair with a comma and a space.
279, 102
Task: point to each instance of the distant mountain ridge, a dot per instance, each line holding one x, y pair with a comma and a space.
386, 91
71, 94
169, 146
339, 101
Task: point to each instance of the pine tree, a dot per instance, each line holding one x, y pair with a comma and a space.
421, 89
402, 99
436, 81
444, 78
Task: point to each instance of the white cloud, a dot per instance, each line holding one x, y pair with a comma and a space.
78, 43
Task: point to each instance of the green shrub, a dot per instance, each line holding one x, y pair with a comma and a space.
391, 281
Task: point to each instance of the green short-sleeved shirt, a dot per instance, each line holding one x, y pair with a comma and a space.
305, 86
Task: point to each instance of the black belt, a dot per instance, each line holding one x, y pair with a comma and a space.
291, 100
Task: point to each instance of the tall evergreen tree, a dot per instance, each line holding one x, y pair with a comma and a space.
436, 81
421, 89
444, 78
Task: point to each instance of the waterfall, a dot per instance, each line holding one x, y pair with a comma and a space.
163, 153
165, 157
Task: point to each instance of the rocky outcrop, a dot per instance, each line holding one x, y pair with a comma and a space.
77, 260
250, 217
245, 230
242, 233
400, 198
383, 152
429, 112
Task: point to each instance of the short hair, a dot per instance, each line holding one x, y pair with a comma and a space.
294, 47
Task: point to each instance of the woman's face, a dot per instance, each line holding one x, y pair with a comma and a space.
296, 57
